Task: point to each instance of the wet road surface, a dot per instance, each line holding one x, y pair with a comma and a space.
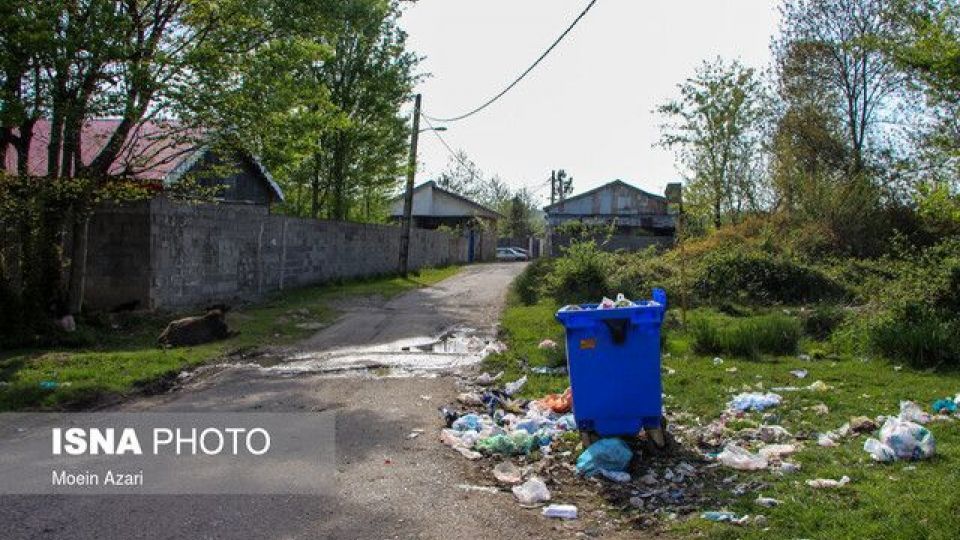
388, 485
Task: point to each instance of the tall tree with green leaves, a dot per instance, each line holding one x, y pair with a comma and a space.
716, 128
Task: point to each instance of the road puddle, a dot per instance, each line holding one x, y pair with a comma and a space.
455, 348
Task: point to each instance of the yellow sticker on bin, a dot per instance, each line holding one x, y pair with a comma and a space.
589, 343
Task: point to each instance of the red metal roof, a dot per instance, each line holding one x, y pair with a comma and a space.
151, 152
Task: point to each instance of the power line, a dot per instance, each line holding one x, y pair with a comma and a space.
522, 75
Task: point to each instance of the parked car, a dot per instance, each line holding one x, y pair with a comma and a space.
510, 254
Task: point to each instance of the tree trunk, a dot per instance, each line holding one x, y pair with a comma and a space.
78, 262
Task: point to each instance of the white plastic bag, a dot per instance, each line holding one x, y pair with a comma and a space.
533, 491
737, 458
911, 412
879, 451
907, 440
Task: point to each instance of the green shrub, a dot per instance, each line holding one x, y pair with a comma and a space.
636, 274
762, 278
528, 286
750, 336
923, 341
581, 275
915, 318
820, 322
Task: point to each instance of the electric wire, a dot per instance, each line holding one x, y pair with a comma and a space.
523, 75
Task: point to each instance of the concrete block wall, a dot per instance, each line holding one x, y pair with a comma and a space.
179, 255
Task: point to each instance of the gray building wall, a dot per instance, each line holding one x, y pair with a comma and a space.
173, 255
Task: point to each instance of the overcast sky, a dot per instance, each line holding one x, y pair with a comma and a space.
587, 108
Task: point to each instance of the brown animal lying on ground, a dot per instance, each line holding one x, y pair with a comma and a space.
196, 330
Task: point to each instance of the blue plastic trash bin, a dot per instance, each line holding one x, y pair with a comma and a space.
613, 357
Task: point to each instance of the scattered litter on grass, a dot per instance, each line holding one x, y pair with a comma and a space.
558, 403
725, 517
944, 406
731, 369
799, 373
819, 386
912, 412
514, 387
560, 511
717, 361
828, 483
820, 409
547, 344
768, 502
754, 401
544, 370
901, 439
415, 433
862, 424
738, 458
485, 379
826, 441
533, 491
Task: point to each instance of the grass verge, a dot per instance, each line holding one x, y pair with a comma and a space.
123, 357
896, 501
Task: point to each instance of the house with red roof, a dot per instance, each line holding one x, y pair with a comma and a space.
161, 154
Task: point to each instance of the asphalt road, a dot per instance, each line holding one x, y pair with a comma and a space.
387, 485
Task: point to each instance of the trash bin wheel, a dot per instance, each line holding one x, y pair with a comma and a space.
660, 437
588, 437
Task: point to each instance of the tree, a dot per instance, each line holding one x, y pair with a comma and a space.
716, 128
828, 46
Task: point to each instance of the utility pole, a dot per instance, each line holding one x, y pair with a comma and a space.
408, 195
553, 187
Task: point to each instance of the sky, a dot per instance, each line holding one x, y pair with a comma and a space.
588, 108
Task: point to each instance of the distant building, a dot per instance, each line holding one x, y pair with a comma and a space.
435, 207
160, 154
640, 219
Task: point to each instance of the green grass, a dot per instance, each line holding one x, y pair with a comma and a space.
123, 360
883, 501
772, 333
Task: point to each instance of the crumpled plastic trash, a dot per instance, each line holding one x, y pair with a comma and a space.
773, 434
819, 386
799, 373
738, 458
515, 386
717, 361
622, 301
945, 405
558, 403
470, 398
516, 443
546, 370
901, 439
821, 483
467, 422
777, 451
485, 379
754, 401
610, 454
566, 422
826, 441
768, 502
533, 491
508, 473
547, 344
561, 511
620, 477
911, 412
725, 517
606, 303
